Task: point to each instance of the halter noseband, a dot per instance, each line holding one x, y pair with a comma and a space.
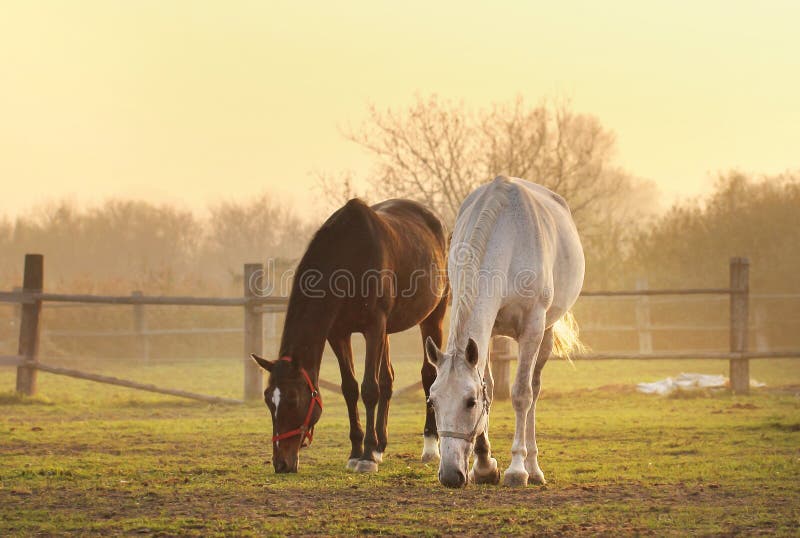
470, 437
305, 432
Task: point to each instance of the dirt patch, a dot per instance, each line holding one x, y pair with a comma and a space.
748, 405
485, 510
794, 427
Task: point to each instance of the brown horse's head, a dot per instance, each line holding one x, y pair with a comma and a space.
295, 406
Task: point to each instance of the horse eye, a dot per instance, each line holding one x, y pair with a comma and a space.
471, 403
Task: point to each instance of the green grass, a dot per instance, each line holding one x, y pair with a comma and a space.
84, 458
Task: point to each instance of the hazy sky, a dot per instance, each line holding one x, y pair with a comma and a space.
192, 102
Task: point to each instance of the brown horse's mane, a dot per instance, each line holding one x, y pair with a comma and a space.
345, 242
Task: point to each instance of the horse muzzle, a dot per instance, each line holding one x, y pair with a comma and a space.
452, 478
283, 465
454, 462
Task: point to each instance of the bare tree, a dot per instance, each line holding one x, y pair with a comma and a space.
427, 153
437, 152
336, 188
567, 152
257, 230
122, 240
572, 154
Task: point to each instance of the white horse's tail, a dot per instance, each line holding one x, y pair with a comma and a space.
566, 341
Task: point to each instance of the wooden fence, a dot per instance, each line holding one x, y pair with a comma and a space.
31, 297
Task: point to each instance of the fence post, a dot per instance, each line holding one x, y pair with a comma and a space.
253, 331
500, 363
740, 289
33, 281
643, 318
140, 328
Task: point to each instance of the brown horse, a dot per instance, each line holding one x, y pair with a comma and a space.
371, 270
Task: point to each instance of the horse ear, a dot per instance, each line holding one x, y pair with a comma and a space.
472, 352
264, 363
432, 352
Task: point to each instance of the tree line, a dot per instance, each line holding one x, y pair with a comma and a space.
130, 244
436, 152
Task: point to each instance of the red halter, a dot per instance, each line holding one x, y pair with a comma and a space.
305, 433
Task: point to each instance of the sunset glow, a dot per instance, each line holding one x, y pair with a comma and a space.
189, 102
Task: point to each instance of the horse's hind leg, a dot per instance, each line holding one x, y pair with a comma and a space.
375, 338
535, 474
386, 383
522, 396
431, 326
344, 354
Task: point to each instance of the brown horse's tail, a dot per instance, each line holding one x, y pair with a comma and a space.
566, 341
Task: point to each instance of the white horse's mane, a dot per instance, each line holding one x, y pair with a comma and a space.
473, 248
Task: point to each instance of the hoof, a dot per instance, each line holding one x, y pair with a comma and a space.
536, 479
485, 476
366, 466
429, 457
430, 451
377, 456
492, 477
351, 464
515, 479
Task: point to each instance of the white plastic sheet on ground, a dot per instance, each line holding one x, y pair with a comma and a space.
688, 382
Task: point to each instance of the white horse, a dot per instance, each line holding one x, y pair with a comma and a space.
516, 268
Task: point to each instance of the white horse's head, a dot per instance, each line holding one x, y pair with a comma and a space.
461, 403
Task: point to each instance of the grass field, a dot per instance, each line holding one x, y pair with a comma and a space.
90, 459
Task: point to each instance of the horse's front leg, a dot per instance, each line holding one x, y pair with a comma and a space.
386, 384
535, 474
431, 326
484, 469
522, 398
375, 338
344, 354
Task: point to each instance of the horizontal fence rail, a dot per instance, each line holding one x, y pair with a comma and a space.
30, 298
646, 292
277, 303
147, 332
11, 360
670, 355
282, 301
109, 380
